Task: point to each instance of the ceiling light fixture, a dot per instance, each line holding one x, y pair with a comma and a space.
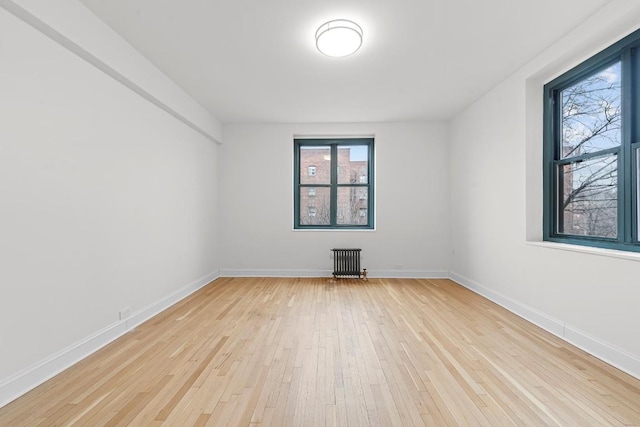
338, 38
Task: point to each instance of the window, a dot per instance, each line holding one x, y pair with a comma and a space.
592, 151
341, 185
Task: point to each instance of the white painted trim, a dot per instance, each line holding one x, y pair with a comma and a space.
604, 351
408, 274
274, 273
612, 253
50, 32
388, 274
18, 384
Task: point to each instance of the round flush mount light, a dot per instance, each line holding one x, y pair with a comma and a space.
338, 38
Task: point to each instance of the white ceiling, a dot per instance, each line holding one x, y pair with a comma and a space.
255, 60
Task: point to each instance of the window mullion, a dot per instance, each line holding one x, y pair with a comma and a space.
583, 157
625, 162
633, 117
548, 175
635, 192
334, 187
557, 213
370, 183
296, 184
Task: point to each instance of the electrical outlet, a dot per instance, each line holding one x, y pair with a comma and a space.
124, 313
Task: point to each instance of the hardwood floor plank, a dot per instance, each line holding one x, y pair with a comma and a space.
388, 352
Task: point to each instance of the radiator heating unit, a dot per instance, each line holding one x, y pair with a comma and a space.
346, 263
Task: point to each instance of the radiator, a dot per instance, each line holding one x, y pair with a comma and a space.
346, 263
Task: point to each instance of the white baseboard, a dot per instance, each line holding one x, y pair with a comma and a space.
274, 273
408, 274
389, 274
606, 352
18, 384
147, 312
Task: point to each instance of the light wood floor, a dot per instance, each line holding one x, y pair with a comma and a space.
307, 352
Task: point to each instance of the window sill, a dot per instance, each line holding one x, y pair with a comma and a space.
340, 230
611, 253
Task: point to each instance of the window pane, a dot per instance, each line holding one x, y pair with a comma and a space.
589, 197
353, 206
591, 113
314, 208
353, 164
315, 165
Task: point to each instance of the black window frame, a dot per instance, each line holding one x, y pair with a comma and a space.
333, 186
627, 52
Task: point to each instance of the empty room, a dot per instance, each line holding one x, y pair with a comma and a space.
305, 213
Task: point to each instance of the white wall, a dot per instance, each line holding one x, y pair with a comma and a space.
589, 297
256, 199
73, 25
106, 202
